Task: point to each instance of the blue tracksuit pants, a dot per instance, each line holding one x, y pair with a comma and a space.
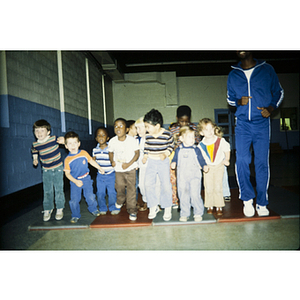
88, 193
257, 134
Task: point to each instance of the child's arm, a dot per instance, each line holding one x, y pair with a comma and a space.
79, 183
226, 161
35, 159
144, 160
111, 158
60, 140
174, 160
135, 158
95, 165
201, 160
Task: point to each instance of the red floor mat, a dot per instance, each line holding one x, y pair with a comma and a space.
121, 220
233, 211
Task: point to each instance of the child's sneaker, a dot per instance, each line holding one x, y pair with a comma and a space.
74, 220
59, 214
167, 214
96, 213
183, 219
115, 212
262, 211
248, 208
227, 198
210, 210
102, 213
132, 217
153, 212
47, 215
197, 218
118, 205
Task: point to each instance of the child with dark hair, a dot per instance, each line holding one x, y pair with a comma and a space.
77, 171
123, 154
47, 149
159, 144
106, 181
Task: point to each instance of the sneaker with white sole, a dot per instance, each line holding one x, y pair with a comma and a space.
183, 219
132, 217
167, 214
248, 208
115, 212
59, 214
47, 215
262, 211
96, 213
197, 218
153, 212
118, 205
74, 220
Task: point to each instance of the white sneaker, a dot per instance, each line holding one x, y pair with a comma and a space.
197, 218
118, 205
47, 215
248, 208
183, 219
168, 214
262, 211
153, 212
59, 214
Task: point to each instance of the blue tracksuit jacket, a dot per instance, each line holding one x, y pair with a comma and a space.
263, 87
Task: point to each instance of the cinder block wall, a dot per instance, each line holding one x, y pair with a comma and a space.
33, 94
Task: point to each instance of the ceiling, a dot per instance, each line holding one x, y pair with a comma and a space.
196, 63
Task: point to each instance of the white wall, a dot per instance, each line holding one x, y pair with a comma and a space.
141, 92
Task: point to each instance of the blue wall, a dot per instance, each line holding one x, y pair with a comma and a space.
17, 171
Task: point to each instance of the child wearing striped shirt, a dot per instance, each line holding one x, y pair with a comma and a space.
159, 144
106, 181
47, 149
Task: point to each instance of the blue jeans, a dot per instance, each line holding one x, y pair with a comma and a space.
53, 180
106, 183
88, 193
162, 169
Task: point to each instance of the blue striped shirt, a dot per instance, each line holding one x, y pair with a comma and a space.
102, 159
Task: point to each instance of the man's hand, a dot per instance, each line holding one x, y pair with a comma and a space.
244, 100
266, 111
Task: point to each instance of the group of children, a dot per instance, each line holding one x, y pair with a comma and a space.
143, 154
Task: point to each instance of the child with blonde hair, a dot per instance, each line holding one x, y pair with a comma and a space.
189, 161
216, 152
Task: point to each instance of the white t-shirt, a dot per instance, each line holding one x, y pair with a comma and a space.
123, 151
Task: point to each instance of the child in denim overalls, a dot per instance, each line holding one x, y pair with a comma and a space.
189, 161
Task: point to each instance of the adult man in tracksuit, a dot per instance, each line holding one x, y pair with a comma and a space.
253, 87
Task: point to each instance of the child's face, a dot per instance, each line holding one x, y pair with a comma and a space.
41, 133
101, 137
184, 121
120, 129
132, 130
72, 144
208, 131
152, 129
188, 139
141, 130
